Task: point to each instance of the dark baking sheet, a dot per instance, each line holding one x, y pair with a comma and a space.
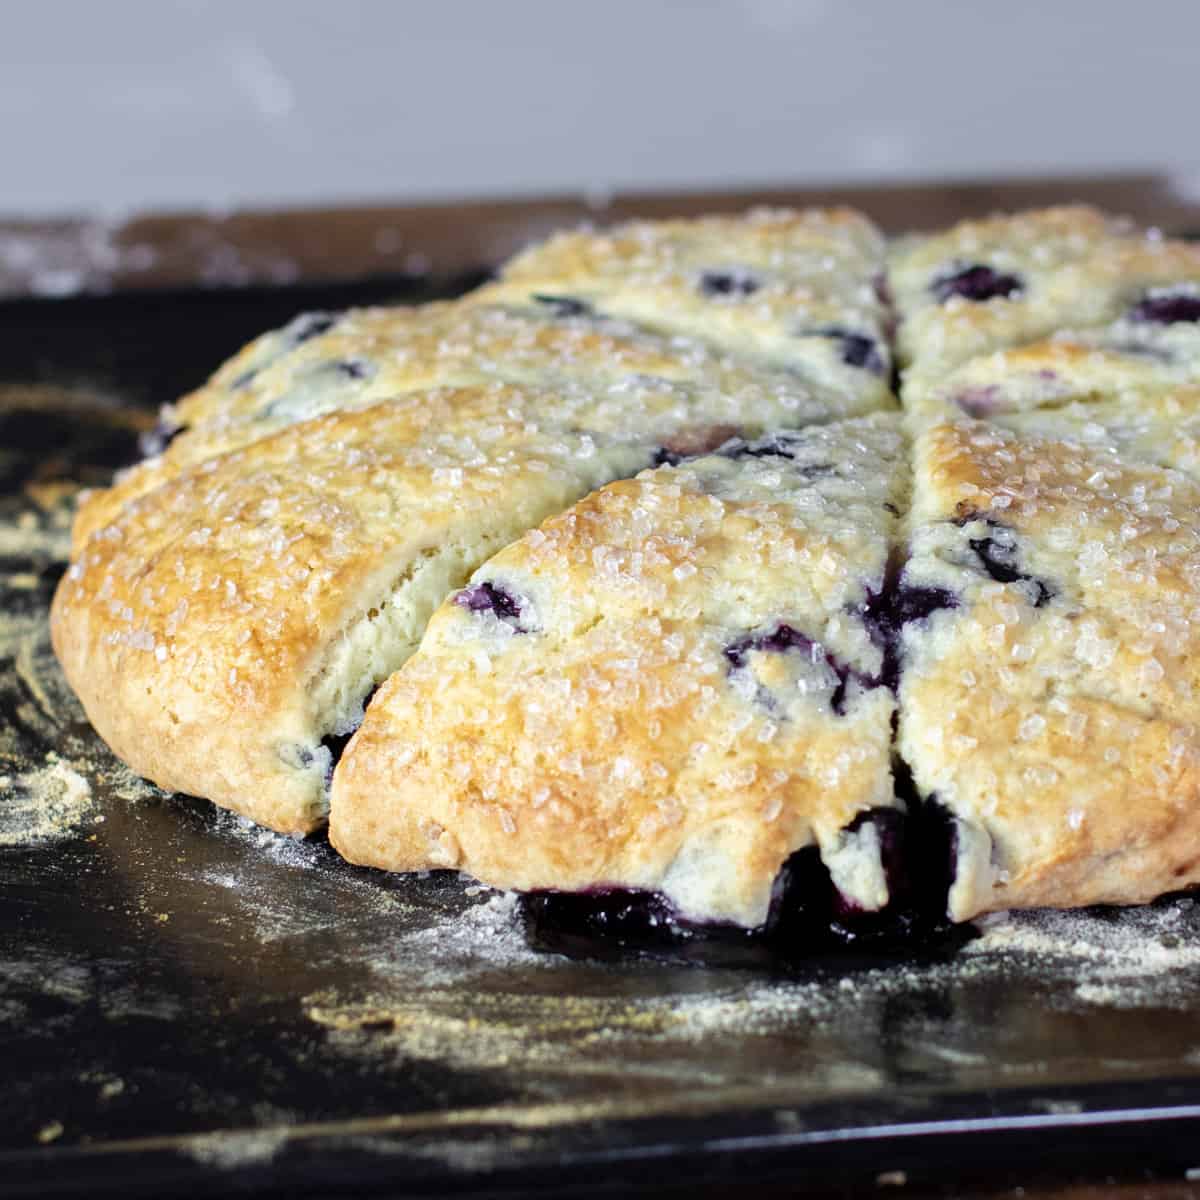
187, 1002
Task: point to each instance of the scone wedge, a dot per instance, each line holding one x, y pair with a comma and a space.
1051, 705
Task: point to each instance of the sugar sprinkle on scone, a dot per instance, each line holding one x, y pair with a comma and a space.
671, 687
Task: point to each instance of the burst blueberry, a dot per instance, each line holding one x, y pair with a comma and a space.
784, 638
490, 597
999, 558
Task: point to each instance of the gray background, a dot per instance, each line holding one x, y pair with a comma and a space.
165, 104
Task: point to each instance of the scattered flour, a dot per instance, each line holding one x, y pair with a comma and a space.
240, 1148
43, 804
1123, 959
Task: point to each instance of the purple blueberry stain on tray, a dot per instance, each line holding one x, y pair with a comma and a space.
808, 918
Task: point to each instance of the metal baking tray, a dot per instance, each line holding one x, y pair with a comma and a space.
189, 1003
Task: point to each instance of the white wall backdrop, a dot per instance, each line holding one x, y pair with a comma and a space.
134, 104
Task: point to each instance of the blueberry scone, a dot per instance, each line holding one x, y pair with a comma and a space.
1050, 705
1047, 707
659, 593
671, 688
233, 601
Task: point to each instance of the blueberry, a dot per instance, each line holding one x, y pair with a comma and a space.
980, 401
910, 604
1167, 308
783, 639
310, 325
778, 445
976, 283
887, 611
353, 368
860, 351
564, 306
729, 283
154, 441
857, 349
489, 597
999, 559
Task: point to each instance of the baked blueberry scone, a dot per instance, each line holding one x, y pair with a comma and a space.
699, 606
671, 688
1051, 705
233, 601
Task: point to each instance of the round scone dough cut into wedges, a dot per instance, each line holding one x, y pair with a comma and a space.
227, 622
671, 687
1051, 705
